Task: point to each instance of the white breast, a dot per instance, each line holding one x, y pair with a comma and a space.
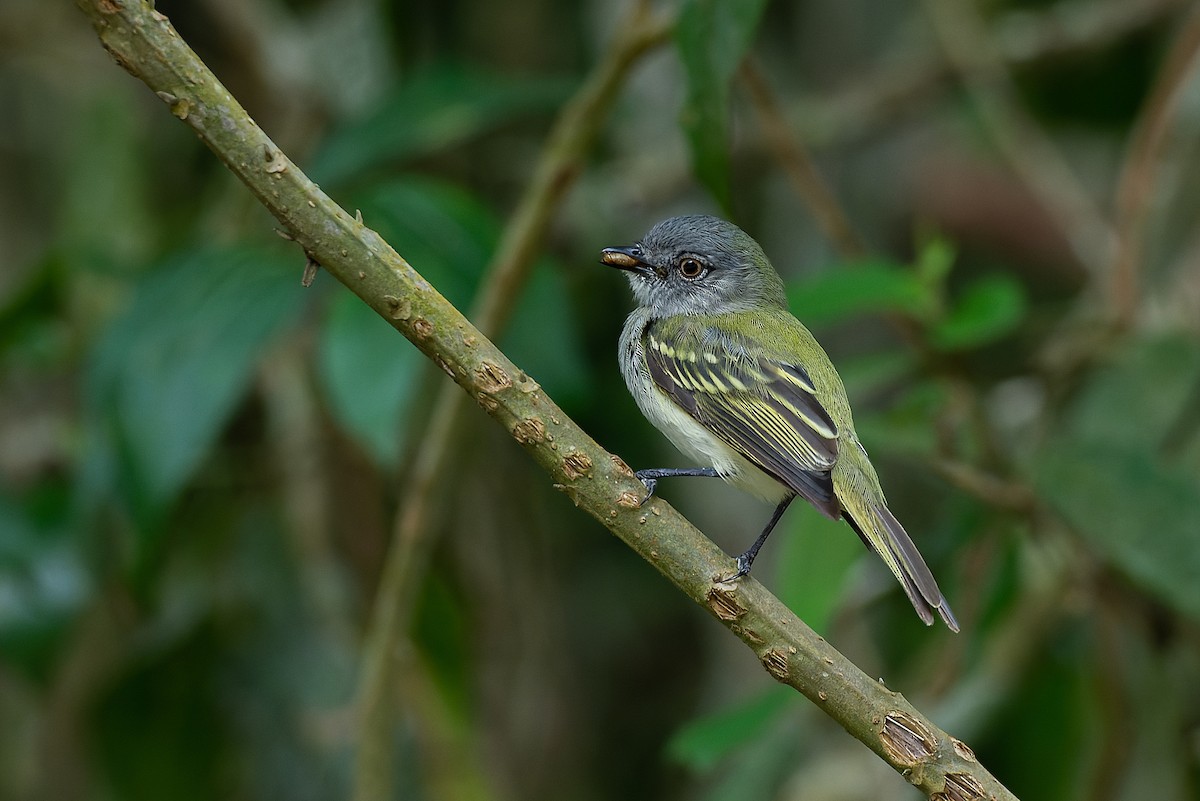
690, 437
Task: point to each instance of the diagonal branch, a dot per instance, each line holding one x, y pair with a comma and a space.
797, 162
1141, 169
414, 531
144, 43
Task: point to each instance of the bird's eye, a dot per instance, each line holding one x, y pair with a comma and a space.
690, 268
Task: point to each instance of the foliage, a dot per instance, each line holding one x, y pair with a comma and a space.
190, 544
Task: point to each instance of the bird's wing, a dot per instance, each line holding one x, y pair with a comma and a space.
765, 409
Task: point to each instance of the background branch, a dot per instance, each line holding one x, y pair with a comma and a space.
1135, 187
144, 43
1029, 152
797, 161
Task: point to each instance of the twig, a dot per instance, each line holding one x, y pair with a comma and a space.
992, 490
903, 82
1075, 25
294, 427
145, 44
414, 532
1029, 152
795, 158
1139, 173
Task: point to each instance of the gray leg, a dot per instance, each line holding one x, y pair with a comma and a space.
650, 477
745, 560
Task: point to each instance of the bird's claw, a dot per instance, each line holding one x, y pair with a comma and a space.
743, 569
649, 483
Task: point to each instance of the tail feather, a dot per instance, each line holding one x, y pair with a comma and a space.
884, 535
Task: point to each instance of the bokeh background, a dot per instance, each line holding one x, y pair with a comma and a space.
988, 212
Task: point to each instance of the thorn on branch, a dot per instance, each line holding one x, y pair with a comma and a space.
311, 266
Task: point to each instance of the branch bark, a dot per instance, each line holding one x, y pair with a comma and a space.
144, 43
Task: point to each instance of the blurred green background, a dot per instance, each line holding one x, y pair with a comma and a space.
202, 462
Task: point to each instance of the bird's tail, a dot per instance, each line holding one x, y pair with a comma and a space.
881, 532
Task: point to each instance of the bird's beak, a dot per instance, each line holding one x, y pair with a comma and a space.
628, 258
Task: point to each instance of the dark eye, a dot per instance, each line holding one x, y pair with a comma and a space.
690, 268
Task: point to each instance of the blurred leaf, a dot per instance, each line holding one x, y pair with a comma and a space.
815, 555
988, 310
1153, 684
167, 373
43, 583
701, 743
442, 631
369, 374
761, 769
713, 36
367, 370
1106, 474
869, 288
1141, 515
158, 732
450, 237
443, 232
1056, 714
934, 262
434, 110
544, 338
1136, 400
904, 427
107, 181
868, 373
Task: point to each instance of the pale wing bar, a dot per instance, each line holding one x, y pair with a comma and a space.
767, 411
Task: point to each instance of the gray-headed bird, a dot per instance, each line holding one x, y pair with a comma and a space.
717, 363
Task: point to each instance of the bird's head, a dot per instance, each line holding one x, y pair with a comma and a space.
698, 265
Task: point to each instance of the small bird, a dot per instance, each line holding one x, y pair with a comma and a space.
717, 363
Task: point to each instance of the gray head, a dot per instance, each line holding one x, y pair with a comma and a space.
698, 265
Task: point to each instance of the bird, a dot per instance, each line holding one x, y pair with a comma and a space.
715, 360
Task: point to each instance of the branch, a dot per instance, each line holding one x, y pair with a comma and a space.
1140, 171
1031, 154
415, 531
797, 161
145, 44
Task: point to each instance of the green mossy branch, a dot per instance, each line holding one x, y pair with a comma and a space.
144, 43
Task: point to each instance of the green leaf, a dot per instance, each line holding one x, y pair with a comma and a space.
935, 261
1106, 472
814, 557
544, 338
869, 288
868, 373
1137, 399
989, 309
701, 743
167, 373
449, 237
369, 374
712, 36
434, 110
43, 584
442, 231
1139, 514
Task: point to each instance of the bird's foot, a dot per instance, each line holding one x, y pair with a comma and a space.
743, 569
649, 482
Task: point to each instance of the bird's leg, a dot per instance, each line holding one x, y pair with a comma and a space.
745, 560
650, 477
